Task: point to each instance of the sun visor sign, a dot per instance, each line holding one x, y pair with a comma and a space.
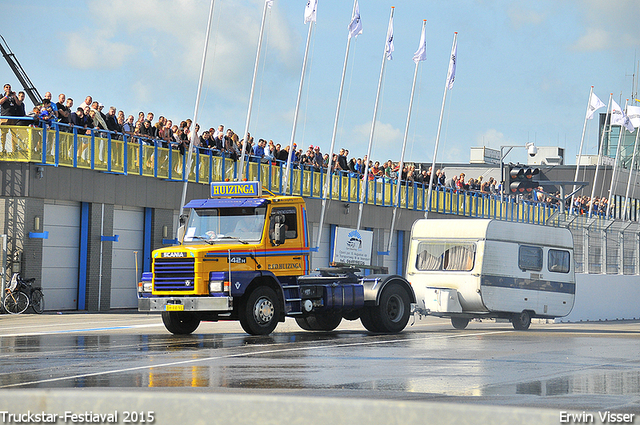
236, 189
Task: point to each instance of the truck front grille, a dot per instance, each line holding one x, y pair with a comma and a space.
173, 274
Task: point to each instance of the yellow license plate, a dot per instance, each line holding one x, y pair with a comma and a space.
174, 307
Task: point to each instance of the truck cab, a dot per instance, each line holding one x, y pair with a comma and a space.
231, 244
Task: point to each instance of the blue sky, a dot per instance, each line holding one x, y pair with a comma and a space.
524, 68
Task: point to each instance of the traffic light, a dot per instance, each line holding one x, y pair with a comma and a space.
521, 179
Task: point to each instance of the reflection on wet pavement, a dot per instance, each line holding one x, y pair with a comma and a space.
489, 361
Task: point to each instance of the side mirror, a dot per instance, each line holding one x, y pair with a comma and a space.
180, 233
279, 230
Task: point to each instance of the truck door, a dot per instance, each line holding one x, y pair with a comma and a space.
289, 258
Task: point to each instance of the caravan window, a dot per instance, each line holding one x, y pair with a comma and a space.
453, 256
530, 258
558, 261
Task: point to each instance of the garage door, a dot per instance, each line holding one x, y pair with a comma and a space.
60, 255
128, 223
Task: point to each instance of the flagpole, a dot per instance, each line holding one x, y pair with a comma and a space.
192, 142
595, 177
633, 163
373, 124
325, 191
404, 145
447, 86
584, 128
253, 85
295, 116
612, 186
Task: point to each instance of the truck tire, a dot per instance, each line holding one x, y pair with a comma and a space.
366, 317
180, 322
259, 312
320, 322
521, 321
392, 314
302, 322
459, 322
351, 315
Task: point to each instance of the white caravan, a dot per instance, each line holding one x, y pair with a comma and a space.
476, 268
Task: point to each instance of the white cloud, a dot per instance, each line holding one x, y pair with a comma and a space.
595, 39
521, 17
386, 138
608, 25
492, 138
167, 36
94, 51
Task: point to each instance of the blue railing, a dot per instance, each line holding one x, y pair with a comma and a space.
99, 150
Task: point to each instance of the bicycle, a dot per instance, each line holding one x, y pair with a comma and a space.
20, 294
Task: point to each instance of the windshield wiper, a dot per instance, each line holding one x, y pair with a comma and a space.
210, 242
233, 237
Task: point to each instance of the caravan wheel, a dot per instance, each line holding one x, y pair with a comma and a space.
521, 321
459, 322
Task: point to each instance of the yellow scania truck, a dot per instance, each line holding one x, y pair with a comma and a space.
244, 255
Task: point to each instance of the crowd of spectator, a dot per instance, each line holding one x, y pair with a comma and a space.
90, 116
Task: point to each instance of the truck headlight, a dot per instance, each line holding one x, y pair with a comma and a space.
216, 286
145, 287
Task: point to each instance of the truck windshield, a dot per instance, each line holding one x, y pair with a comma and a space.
211, 225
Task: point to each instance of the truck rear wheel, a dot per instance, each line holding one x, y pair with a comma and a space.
392, 314
459, 322
259, 312
366, 317
521, 321
320, 322
180, 322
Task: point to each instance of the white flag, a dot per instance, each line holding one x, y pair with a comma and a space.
355, 27
594, 104
616, 114
310, 11
627, 123
269, 3
421, 53
451, 75
388, 48
618, 117
633, 112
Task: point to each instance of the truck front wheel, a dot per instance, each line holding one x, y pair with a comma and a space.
180, 322
259, 311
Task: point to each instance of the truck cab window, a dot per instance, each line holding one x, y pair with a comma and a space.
290, 222
558, 261
530, 258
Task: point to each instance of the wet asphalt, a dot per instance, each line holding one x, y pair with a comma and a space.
579, 366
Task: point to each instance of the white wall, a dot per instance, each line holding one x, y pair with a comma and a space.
605, 297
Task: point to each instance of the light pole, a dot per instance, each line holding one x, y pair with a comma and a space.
531, 149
